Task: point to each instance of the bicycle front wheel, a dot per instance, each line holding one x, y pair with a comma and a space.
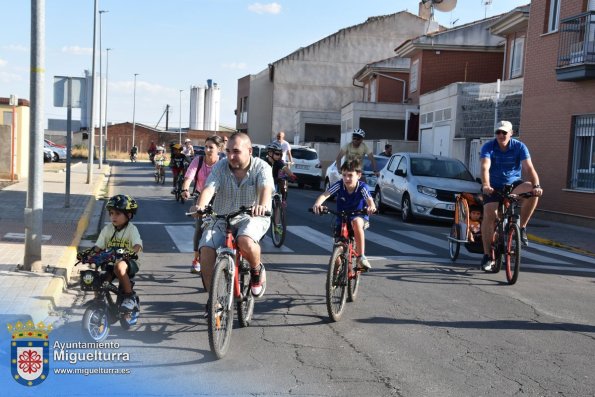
162, 177
220, 320
336, 283
513, 253
278, 223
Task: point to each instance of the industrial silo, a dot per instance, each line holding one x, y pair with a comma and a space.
197, 108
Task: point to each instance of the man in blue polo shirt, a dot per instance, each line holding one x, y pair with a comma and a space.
503, 159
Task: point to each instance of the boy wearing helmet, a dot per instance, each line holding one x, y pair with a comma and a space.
178, 163
159, 159
188, 149
121, 233
356, 150
274, 154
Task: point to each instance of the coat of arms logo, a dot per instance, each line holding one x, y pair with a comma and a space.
29, 352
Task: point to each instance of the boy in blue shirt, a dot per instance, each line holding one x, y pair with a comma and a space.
352, 194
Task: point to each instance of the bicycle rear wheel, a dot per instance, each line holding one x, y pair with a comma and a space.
278, 223
513, 253
336, 283
162, 177
220, 320
246, 305
453, 246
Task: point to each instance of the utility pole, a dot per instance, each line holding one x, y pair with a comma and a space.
100, 160
92, 126
34, 205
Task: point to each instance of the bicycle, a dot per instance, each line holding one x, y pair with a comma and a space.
279, 213
159, 172
178, 187
102, 311
230, 284
506, 245
341, 272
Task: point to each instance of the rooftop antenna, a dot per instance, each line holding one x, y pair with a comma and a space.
486, 4
440, 5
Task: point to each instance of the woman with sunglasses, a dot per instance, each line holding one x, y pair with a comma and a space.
274, 155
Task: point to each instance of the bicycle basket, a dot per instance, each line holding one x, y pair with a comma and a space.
89, 280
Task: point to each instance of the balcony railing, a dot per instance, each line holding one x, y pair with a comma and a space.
576, 51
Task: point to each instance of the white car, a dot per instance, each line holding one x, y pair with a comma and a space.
333, 175
423, 185
58, 152
306, 166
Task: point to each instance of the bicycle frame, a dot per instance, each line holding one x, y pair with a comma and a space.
346, 239
233, 251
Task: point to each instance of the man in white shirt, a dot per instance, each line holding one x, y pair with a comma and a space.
285, 147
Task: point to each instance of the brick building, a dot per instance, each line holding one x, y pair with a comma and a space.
558, 107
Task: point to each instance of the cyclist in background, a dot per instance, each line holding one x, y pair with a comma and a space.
357, 149
188, 149
177, 164
159, 159
280, 169
503, 159
237, 180
352, 194
198, 171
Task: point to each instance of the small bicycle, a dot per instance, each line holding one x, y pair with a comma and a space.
342, 274
230, 284
506, 246
103, 311
159, 172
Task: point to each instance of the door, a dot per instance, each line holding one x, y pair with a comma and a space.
426, 139
387, 180
441, 140
400, 184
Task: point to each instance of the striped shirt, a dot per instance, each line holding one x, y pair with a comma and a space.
231, 195
350, 201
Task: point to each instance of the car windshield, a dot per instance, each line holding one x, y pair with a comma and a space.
304, 154
380, 163
440, 168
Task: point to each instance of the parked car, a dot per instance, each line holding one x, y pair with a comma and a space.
259, 151
333, 175
58, 153
48, 155
53, 144
198, 150
306, 166
423, 185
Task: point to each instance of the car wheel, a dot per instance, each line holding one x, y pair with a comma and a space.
378, 201
55, 157
406, 214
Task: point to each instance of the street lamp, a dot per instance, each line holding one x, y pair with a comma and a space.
180, 129
100, 160
134, 109
107, 50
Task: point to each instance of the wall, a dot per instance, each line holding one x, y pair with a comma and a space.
260, 109
320, 77
547, 109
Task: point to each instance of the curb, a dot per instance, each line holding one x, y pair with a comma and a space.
555, 244
63, 269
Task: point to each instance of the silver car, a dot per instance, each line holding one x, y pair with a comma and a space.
423, 185
58, 152
333, 175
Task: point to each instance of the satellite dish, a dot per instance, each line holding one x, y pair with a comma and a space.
444, 5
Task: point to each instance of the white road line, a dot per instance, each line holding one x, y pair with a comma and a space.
560, 252
394, 244
182, 237
21, 236
313, 236
267, 246
423, 238
540, 258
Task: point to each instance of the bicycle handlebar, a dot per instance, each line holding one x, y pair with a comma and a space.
209, 211
103, 257
326, 210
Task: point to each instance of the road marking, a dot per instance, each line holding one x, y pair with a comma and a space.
560, 252
182, 236
540, 258
267, 246
394, 244
424, 238
21, 236
313, 236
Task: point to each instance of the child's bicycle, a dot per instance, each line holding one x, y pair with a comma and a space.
343, 276
159, 171
230, 284
103, 311
279, 212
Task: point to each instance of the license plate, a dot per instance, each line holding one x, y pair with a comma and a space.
301, 167
450, 207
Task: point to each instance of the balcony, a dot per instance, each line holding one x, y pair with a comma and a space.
576, 50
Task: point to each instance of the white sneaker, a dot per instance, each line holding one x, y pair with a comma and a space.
128, 304
195, 268
363, 263
258, 282
487, 264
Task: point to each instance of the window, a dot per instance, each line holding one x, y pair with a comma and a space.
373, 91
413, 76
7, 118
516, 57
583, 154
394, 161
553, 16
244, 110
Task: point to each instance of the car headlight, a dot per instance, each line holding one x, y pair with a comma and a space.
427, 190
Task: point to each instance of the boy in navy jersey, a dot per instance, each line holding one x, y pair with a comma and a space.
352, 194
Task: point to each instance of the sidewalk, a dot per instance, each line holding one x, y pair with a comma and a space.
28, 295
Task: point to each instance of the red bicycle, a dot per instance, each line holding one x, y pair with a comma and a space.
343, 277
230, 284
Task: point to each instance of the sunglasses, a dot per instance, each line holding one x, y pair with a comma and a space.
501, 132
357, 137
277, 153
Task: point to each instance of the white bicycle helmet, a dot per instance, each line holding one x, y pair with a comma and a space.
359, 131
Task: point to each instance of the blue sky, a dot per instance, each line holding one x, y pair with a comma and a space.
175, 44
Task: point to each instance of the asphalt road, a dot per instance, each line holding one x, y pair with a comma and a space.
421, 326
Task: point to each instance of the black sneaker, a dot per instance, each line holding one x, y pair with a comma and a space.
487, 263
524, 238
